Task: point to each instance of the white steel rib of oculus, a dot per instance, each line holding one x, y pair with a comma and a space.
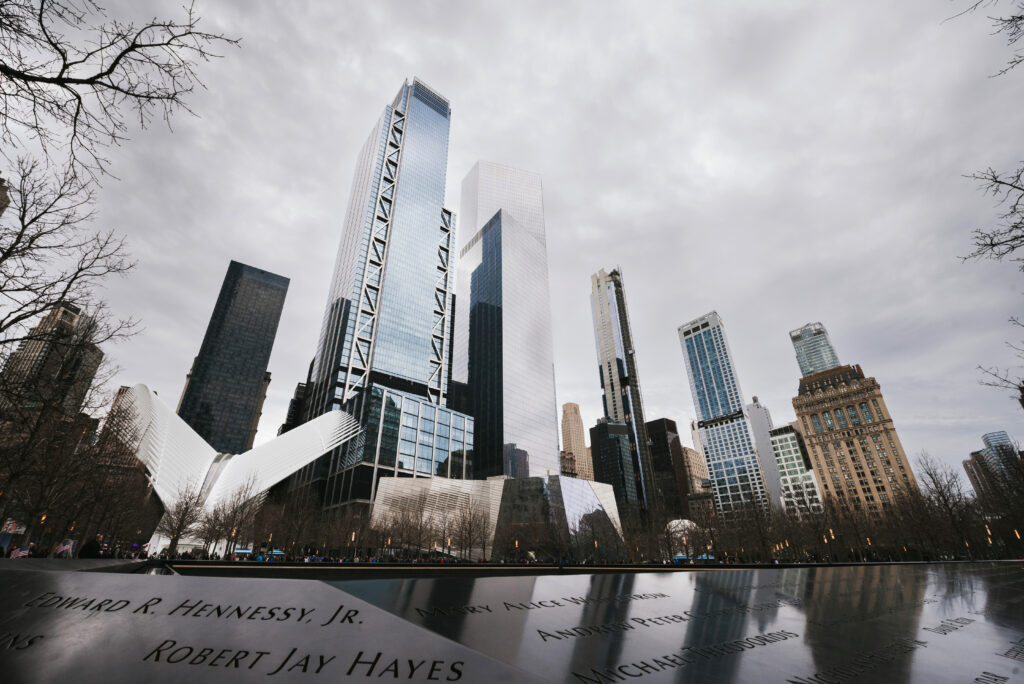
176, 457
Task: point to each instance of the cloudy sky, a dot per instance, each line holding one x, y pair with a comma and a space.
779, 162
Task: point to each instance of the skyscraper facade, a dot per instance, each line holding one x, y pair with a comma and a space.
384, 348
813, 349
54, 366
614, 463
799, 490
761, 428
1000, 453
224, 391
620, 381
854, 449
503, 350
671, 484
725, 431
574, 442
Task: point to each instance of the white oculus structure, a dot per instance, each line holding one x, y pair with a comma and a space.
176, 457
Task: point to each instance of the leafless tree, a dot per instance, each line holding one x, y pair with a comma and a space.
49, 256
72, 78
181, 516
1003, 239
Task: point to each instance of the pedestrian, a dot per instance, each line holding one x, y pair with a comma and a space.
92, 548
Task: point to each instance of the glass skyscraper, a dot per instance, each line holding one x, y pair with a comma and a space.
620, 380
503, 348
725, 431
384, 347
224, 391
813, 349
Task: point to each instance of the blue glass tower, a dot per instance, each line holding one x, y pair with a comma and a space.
383, 353
814, 351
725, 431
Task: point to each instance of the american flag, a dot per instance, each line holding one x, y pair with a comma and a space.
20, 553
65, 546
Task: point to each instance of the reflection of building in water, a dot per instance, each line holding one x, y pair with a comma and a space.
723, 598
603, 652
443, 606
870, 605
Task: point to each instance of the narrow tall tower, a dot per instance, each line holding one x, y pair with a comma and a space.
503, 348
383, 354
620, 380
574, 440
224, 391
725, 432
814, 351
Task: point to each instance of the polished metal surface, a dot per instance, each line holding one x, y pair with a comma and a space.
955, 622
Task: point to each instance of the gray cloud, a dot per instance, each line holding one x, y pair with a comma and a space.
780, 162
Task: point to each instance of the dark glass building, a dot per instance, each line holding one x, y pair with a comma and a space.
224, 392
670, 477
614, 463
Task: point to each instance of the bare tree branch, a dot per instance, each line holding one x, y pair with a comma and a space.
69, 75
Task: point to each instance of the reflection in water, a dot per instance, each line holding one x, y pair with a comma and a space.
891, 623
868, 606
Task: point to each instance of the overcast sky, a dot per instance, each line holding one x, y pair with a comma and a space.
779, 162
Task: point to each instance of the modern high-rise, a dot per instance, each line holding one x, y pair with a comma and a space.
224, 391
671, 484
503, 351
1000, 453
761, 427
54, 366
725, 431
800, 495
384, 349
620, 381
574, 441
854, 449
813, 349
614, 463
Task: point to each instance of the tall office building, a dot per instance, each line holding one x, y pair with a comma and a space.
761, 427
384, 348
854, 449
224, 391
1000, 453
725, 431
620, 381
574, 442
813, 349
981, 478
503, 351
671, 483
799, 490
612, 449
54, 366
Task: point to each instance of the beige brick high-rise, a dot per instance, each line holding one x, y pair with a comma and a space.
855, 452
574, 441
